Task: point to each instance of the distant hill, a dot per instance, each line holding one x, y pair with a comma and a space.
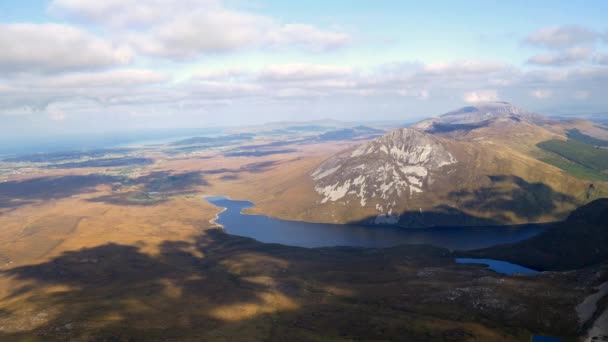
577, 242
215, 140
475, 116
358, 132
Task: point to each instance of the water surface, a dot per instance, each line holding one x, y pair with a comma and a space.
306, 234
539, 338
498, 266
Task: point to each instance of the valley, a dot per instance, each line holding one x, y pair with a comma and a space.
95, 244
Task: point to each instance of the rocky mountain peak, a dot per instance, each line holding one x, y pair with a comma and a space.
385, 170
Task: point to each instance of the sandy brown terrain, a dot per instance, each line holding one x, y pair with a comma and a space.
92, 257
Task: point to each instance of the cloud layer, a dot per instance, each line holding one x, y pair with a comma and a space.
56, 47
148, 62
187, 29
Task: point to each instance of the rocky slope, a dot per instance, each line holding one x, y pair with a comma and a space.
474, 166
387, 170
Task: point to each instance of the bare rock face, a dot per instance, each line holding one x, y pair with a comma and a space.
389, 169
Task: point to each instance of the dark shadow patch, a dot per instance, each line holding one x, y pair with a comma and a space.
215, 141
54, 157
355, 133
258, 153
139, 198
579, 136
339, 293
439, 216
17, 193
154, 188
439, 128
166, 182
252, 168
578, 242
273, 144
109, 162
513, 194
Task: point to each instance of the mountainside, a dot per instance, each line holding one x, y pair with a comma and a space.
475, 166
387, 170
560, 247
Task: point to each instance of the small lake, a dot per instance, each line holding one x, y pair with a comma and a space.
539, 338
307, 234
498, 266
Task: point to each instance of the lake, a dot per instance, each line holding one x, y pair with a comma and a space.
498, 266
307, 234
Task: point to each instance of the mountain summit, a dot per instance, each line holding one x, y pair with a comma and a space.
388, 169
478, 116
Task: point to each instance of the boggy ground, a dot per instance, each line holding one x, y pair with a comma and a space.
164, 272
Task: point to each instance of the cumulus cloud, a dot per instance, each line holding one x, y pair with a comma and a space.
189, 28
569, 56
38, 92
480, 96
558, 37
56, 47
149, 92
541, 93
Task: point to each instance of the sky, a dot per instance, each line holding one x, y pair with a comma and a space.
89, 66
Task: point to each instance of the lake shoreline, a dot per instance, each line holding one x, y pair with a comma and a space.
234, 219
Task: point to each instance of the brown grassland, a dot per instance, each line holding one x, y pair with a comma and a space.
102, 260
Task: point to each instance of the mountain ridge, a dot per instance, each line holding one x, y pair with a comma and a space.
484, 173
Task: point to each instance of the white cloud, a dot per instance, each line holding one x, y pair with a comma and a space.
569, 56
190, 28
40, 92
302, 72
218, 75
466, 67
54, 48
307, 36
116, 12
56, 114
541, 93
112, 78
480, 96
558, 37
156, 94
581, 94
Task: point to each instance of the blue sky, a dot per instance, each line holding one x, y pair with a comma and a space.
70, 66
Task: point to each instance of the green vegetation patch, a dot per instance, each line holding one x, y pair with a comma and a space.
580, 153
575, 134
573, 168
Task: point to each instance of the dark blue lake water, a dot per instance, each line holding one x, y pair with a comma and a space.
539, 338
306, 234
498, 266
